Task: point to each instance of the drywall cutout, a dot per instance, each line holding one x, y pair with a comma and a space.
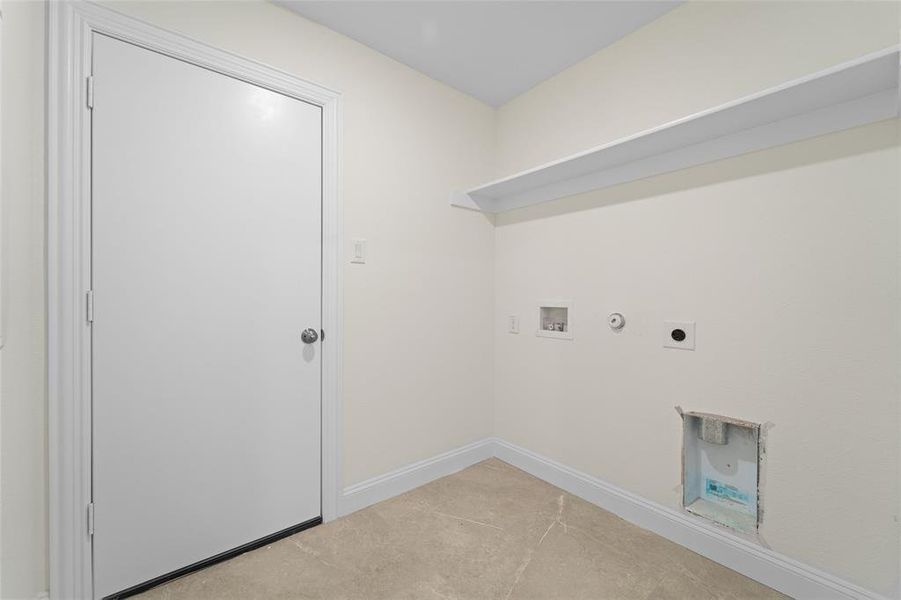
721, 470
555, 319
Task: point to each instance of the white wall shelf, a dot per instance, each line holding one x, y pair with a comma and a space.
847, 95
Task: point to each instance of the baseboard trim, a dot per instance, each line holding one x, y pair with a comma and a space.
752, 560
383, 487
776, 570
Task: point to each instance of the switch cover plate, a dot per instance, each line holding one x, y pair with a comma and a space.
358, 255
513, 324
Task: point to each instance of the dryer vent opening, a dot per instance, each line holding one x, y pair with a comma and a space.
720, 469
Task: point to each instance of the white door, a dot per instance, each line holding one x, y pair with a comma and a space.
206, 269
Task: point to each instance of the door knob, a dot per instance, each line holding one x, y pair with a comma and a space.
309, 336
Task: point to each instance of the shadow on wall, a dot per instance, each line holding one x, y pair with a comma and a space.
861, 140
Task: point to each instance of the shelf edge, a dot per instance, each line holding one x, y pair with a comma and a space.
820, 121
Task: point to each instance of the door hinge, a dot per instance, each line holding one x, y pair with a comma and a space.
91, 518
90, 91
89, 304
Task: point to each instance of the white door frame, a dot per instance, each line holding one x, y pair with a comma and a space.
70, 27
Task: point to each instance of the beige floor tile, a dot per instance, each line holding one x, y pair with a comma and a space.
488, 532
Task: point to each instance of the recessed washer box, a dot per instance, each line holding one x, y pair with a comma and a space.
720, 469
555, 319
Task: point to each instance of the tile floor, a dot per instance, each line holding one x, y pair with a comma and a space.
488, 532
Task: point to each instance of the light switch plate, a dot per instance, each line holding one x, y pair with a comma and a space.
358, 255
679, 334
513, 324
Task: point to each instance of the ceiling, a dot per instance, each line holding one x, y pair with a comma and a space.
493, 50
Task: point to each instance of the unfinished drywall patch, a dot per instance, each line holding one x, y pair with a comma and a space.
720, 469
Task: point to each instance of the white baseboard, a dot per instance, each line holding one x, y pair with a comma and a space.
752, 560
367, 493
716, 543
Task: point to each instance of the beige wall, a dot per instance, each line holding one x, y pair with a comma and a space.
414, 383
787, 259
23, 424
695, 57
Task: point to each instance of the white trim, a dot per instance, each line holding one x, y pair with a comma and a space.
389, 485
69, 29
716, 543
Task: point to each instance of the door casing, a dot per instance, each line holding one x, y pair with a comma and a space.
70, 27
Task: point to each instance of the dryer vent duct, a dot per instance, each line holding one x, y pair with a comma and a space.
713, 430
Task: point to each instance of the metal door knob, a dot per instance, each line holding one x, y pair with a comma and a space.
309, 336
